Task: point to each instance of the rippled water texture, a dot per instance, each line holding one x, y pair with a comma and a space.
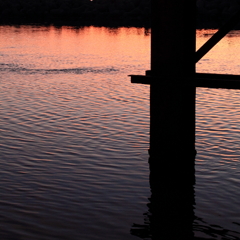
75, 134
218, 143
73, 148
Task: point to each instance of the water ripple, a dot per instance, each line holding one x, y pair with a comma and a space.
13, 68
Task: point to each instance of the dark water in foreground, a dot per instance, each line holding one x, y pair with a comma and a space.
74, 135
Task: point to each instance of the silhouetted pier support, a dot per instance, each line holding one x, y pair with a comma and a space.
172, 89
172, 119
173, 78
173, 81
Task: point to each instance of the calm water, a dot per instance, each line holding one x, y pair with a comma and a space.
74, 135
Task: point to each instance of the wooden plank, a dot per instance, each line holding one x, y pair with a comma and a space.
225, 81
141, 79
208, 80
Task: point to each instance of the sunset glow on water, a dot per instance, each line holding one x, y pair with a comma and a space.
224, 57
75, 134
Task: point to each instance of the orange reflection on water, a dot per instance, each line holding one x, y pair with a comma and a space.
224, 57
103, 46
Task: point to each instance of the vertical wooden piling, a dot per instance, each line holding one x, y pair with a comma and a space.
172, 89
172, 119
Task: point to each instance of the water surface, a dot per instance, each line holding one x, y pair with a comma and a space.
75, 135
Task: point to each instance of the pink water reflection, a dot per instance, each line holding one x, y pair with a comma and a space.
224, 57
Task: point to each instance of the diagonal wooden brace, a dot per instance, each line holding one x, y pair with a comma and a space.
225, 29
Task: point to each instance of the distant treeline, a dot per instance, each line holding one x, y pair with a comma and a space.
214, 13
81, 12
210, 13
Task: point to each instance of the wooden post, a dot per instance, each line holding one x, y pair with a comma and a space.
172, 120
172, 117
172, 89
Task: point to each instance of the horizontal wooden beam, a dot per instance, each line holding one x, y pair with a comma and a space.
141, 79
208, 80
226, 81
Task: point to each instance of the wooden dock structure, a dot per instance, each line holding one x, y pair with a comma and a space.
173, 78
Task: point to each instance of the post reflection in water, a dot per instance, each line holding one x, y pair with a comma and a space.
170, 209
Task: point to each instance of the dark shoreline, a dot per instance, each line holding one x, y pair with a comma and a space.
76, 12
79, 24
110, 13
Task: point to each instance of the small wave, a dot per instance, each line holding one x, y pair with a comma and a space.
22, 70
80, 70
